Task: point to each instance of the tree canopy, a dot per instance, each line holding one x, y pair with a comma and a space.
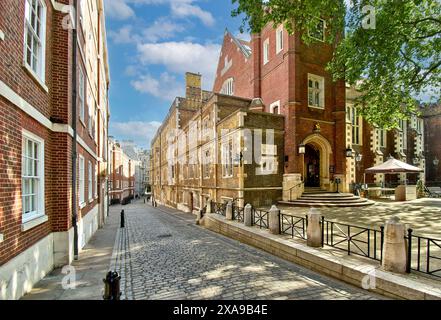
389, 49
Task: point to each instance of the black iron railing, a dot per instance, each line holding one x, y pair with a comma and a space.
220, 208
203, 211
238, 213
294, 226
260, 218
356, 240
424, 254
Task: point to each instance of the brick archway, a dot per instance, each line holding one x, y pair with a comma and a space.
325, 150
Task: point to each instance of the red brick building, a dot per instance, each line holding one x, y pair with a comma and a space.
43, 126
121, 174
432, 128
321, 124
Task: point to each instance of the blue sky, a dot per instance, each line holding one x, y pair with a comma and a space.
152, 43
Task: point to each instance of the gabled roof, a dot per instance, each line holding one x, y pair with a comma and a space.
243, 45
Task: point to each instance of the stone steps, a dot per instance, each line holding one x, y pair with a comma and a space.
299, 203
327, 199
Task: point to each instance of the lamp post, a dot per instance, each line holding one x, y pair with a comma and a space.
435, 164
302, 151
358, 158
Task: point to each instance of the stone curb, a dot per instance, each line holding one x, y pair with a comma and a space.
354, 272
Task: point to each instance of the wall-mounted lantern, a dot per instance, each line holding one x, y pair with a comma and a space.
358, 157
436, 162
302, 149
349, 152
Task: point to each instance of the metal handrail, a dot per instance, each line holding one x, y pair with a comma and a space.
294, 186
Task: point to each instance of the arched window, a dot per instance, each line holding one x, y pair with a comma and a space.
228, 87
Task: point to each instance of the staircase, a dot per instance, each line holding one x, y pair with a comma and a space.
316, 197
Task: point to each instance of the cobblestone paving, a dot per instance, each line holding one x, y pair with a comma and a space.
162, 254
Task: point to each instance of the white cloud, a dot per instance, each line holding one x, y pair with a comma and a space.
166, 87
125, 35
118, 9
180, 57
184, 10
131, 71
162, 28
140, 132
122, 10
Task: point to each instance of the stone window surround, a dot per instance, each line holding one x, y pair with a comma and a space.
41, 167
40, 74
279, 39
324, 31
274, 105
266, 51
321, 80
81, 181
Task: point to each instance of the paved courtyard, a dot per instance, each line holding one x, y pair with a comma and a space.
422, 215
162, 254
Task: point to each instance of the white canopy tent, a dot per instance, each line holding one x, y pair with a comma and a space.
393, 165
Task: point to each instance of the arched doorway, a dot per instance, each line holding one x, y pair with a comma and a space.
317, 156
312, 166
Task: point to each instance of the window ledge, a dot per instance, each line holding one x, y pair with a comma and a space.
315, 107
33, 223
36, 77
91, 200
82, 205
1, 238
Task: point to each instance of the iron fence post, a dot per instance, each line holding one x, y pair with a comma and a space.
122, 219
409, 250
278, 218
323, 231
381, 244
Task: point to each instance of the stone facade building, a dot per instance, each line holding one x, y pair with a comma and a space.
53, 143
205, 149
122, 174
144, 181
432, 129
322, 128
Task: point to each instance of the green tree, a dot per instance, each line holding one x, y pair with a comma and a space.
391, 49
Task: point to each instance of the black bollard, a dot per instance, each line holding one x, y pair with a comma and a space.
122, 219
112, 286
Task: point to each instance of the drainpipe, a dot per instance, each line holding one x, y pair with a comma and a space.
108, 151
74, 128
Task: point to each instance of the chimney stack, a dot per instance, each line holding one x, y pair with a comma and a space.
193, 86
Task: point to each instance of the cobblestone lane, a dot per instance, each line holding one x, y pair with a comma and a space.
162, 254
